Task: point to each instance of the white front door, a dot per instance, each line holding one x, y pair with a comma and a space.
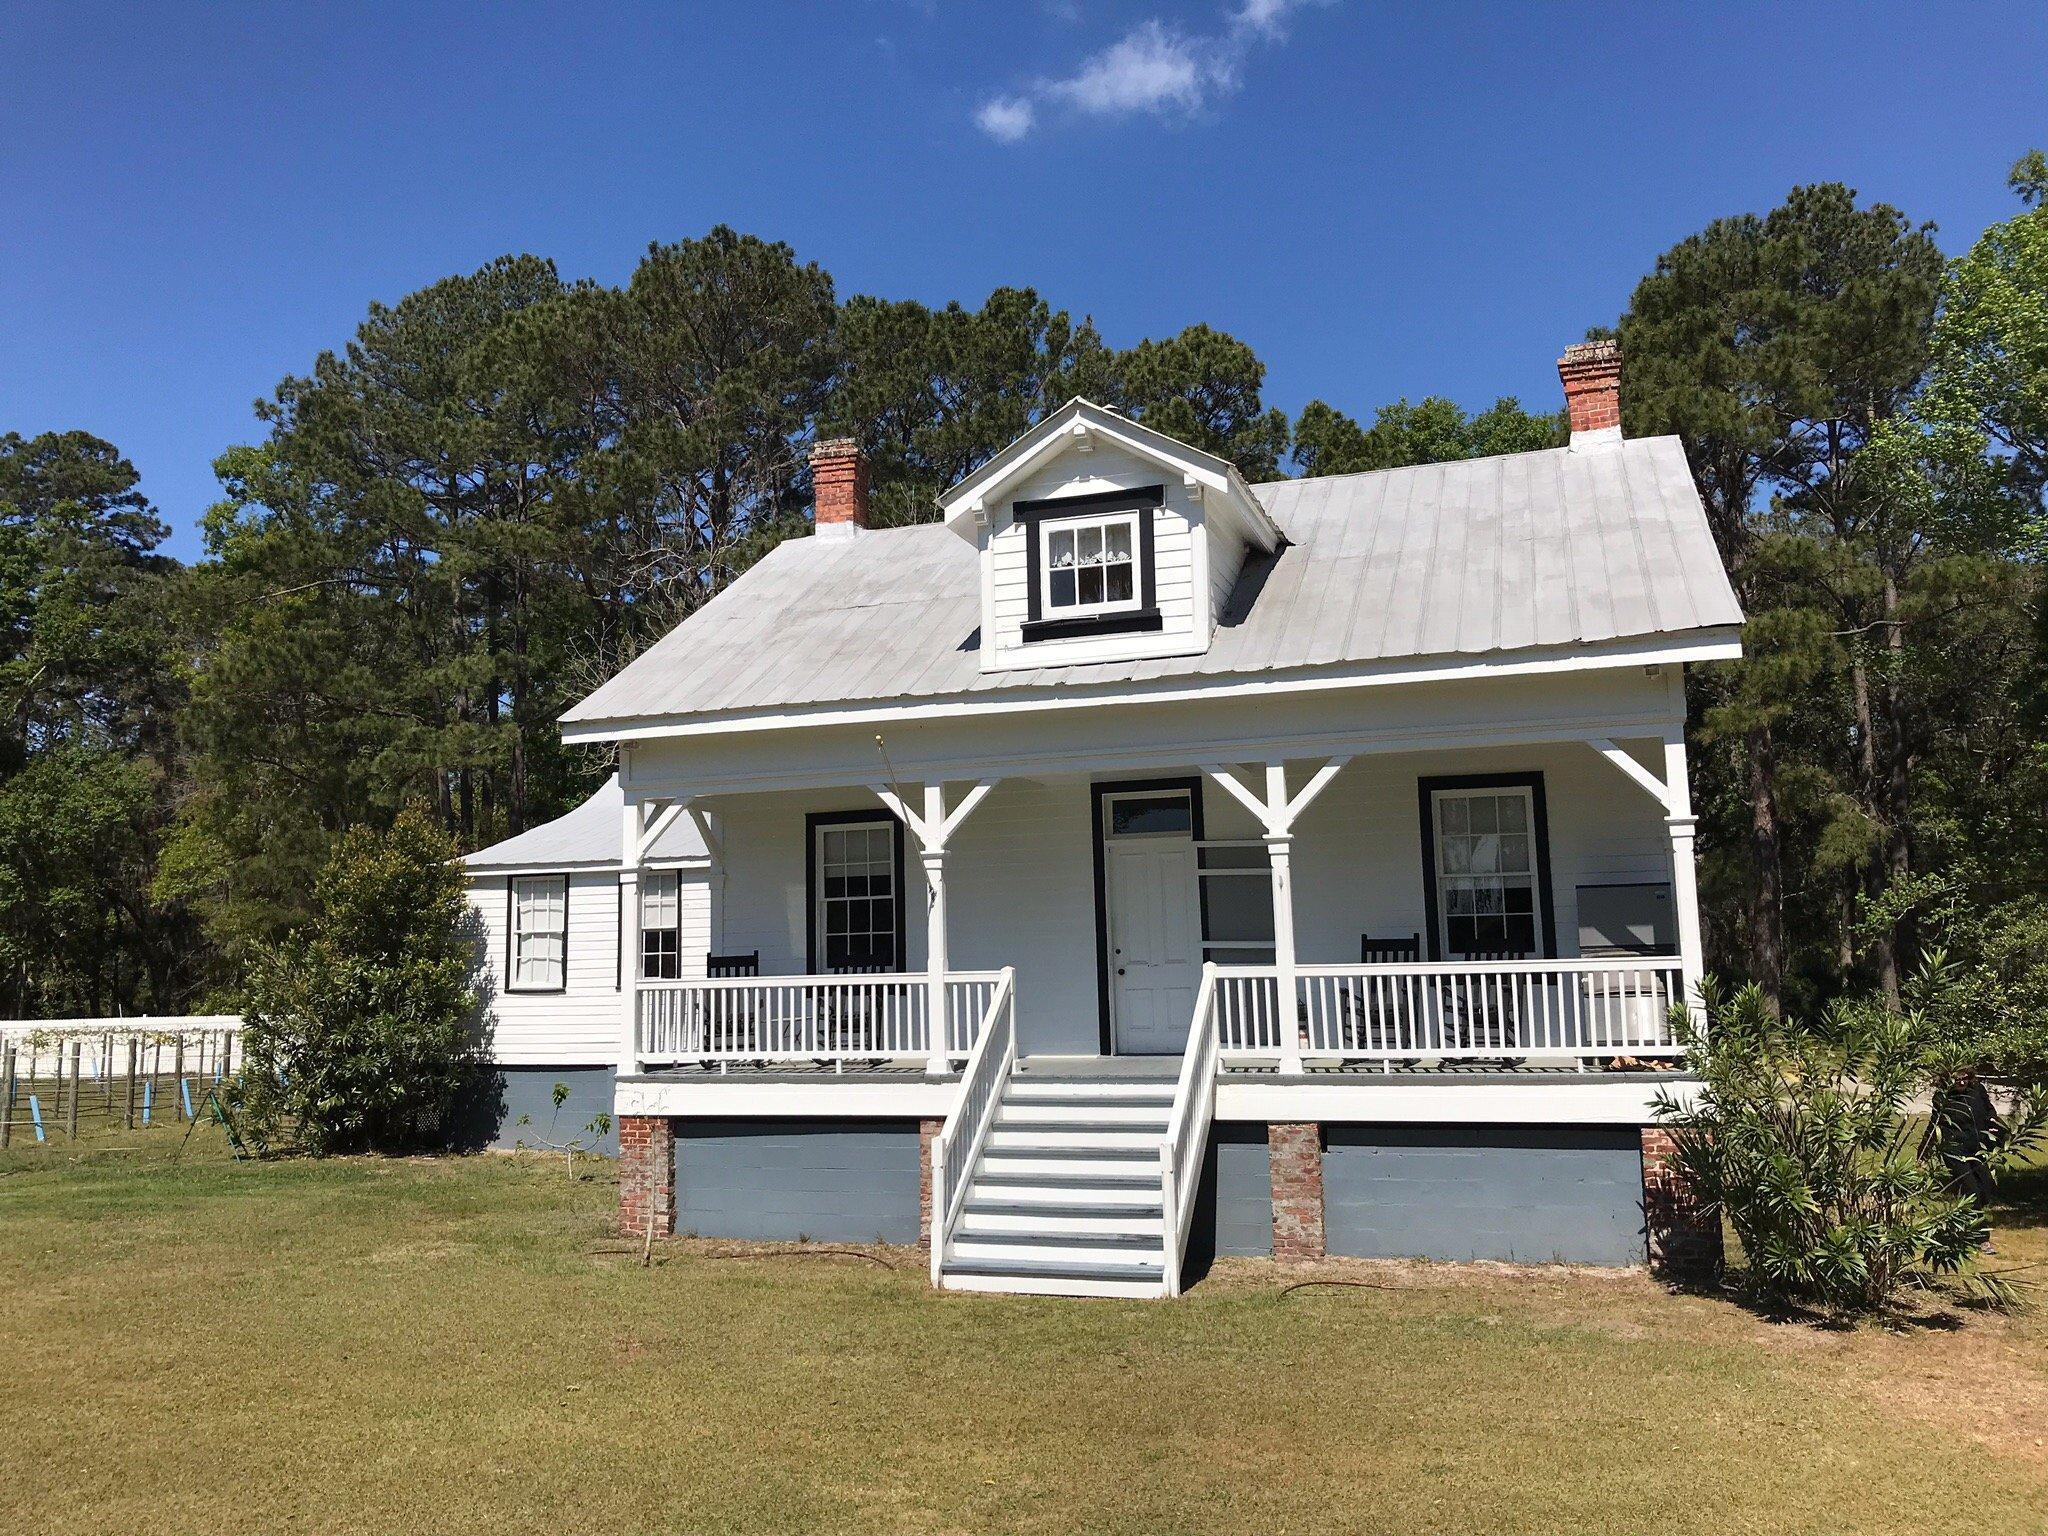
1155, 942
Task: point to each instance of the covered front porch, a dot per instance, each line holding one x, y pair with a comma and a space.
1498, 907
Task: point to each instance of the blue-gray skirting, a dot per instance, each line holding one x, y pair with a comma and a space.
507, 1093
1234, 1211
1531, 1194
839, 1181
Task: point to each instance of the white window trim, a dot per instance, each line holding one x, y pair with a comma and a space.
899, 932
515, 887
659, 889
1047, 527
1534, 875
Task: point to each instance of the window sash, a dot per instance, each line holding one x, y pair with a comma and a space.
540, 933
661, 925
854, 902
1484, 847
1090, 565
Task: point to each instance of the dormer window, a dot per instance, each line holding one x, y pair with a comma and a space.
1089, 564
1090, 558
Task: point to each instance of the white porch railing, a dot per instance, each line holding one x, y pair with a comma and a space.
1527, 1010
961, 1138
1187, 1131
836, 1019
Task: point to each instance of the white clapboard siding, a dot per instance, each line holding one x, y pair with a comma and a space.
1176, 527
580, 1025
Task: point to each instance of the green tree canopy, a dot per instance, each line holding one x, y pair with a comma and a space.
1327, 442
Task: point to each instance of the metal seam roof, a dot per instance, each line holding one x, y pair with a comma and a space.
1474, 557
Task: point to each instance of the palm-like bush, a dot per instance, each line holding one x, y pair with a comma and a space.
1805, 1138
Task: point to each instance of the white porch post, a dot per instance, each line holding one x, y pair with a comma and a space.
1674, 793
1280, 855
935, 959
629, 940
1685, 888
933, 830
1278, 813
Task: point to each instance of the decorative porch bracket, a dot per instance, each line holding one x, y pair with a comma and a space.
933, 829
1674, 793
1277, 813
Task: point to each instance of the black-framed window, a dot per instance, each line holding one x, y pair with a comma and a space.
1089, 563
855, 866
537, 933
661, 925
1486, 866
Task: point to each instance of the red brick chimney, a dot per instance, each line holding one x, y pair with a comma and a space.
1591, 371
839, 485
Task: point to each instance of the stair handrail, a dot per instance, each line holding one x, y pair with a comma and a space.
1187, 1130
966, 1127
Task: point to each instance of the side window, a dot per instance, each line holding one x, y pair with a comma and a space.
540, 933
661, 926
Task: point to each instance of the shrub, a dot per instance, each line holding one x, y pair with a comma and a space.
360, 1027
1804, 1137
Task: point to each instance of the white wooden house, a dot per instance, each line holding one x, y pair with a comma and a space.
549, 920
1138, 863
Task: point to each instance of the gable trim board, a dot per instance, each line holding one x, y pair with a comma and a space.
1069, 694
1546, 922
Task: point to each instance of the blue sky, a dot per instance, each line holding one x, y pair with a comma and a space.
1382, 200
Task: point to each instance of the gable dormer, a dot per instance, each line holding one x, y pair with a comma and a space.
1102, 540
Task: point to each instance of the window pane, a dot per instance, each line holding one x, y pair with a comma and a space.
1119, 583
1060, 546
1485, 813
1117, 542
1062, 593
1454, 811
1091, 584
1514, 854
1514, 814
1160, 813
1239, 908
1088, 546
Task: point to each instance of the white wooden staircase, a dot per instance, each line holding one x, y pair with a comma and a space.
1066, 1195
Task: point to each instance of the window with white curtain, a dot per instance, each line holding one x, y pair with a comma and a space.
540, 933
1089, 565
1486, 872
661, 925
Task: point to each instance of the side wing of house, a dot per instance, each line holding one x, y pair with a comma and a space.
548, 918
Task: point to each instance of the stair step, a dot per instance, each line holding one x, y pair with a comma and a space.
1074, 1090
1075, 1136
1063, 1223
1107, 1250
1054, 1269
1055, 1163
1152, 1114
1037, 1191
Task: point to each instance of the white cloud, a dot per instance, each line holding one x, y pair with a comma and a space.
1153, 69
1148, 70
1006, 119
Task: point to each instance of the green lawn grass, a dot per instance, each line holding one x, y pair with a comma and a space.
456, 1345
